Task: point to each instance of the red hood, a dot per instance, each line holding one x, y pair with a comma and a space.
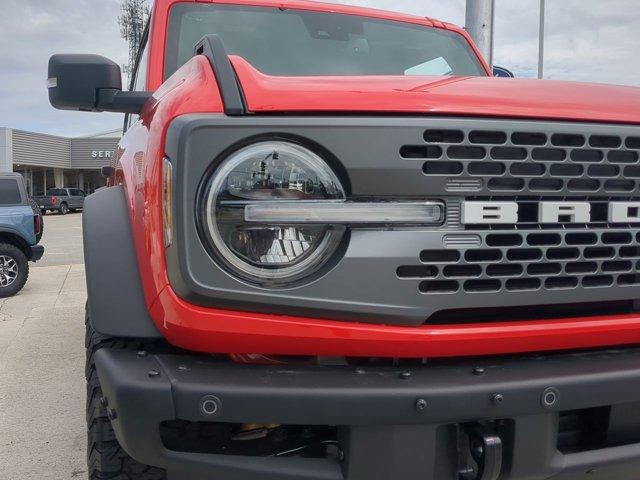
469, 96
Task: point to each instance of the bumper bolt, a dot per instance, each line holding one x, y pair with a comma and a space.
478, 371
142, 354
360, 371
183, 368
421, 404
153, 373
405, 375
104, 403
497, 398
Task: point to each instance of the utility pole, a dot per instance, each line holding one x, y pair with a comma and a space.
541, 40
479, 23
132, 19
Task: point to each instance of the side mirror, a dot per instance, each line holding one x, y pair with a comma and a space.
90, 83
502, 72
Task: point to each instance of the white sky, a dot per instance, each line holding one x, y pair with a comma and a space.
587, 40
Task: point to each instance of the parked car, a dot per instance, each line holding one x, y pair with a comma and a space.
20, 231
62, 200
334, 246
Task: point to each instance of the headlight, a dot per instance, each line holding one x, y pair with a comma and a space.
274, 212
270, 171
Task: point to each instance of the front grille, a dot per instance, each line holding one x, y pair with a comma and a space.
536, 162
488, 266
451, 273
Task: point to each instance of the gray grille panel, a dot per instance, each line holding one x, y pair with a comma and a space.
380, 276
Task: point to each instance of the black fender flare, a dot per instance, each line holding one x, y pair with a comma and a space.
17, 238
116, 302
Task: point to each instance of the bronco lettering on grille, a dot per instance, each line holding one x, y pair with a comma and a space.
548, 212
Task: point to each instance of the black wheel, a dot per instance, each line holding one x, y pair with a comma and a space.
105, 457
64, 208
14, 270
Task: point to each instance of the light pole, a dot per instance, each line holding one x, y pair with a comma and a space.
541, 40
479, 23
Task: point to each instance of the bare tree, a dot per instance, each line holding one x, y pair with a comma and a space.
132, 19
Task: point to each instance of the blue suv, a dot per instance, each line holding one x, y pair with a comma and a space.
21, 228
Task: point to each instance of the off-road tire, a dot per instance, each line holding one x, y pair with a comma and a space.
64, 208
105, 457
18, 256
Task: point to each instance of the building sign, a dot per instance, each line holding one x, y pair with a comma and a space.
102, 154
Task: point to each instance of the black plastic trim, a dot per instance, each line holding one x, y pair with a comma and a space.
117, 304
211, 46
358, 399
36, 252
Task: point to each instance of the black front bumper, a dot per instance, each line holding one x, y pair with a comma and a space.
394, 424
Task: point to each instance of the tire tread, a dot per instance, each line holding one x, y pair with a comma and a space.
106, 459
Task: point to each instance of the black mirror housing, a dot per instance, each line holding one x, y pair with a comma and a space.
90, 83
74, 80
502, 72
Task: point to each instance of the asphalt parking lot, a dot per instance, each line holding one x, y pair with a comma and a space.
42, 429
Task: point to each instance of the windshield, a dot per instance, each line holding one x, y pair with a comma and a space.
295, 42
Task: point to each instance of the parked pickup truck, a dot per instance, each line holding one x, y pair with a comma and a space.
62, 200
334, 247
20, 231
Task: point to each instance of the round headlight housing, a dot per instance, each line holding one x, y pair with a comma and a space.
270, 171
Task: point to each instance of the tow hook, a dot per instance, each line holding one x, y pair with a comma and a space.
480, 450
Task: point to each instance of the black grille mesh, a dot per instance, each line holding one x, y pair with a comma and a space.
533, 161
525, 261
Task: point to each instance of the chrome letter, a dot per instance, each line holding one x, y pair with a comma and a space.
564, 212
489, 212
624, 212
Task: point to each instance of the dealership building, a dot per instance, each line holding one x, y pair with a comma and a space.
48, 161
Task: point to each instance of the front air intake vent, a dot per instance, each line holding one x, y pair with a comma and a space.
536, 162
513, 262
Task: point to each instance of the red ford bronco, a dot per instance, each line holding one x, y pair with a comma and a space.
334, 248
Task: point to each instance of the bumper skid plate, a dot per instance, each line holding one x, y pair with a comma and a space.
392, 423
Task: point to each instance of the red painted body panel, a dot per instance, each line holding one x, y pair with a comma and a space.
210, 330
467, 96
193, 89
